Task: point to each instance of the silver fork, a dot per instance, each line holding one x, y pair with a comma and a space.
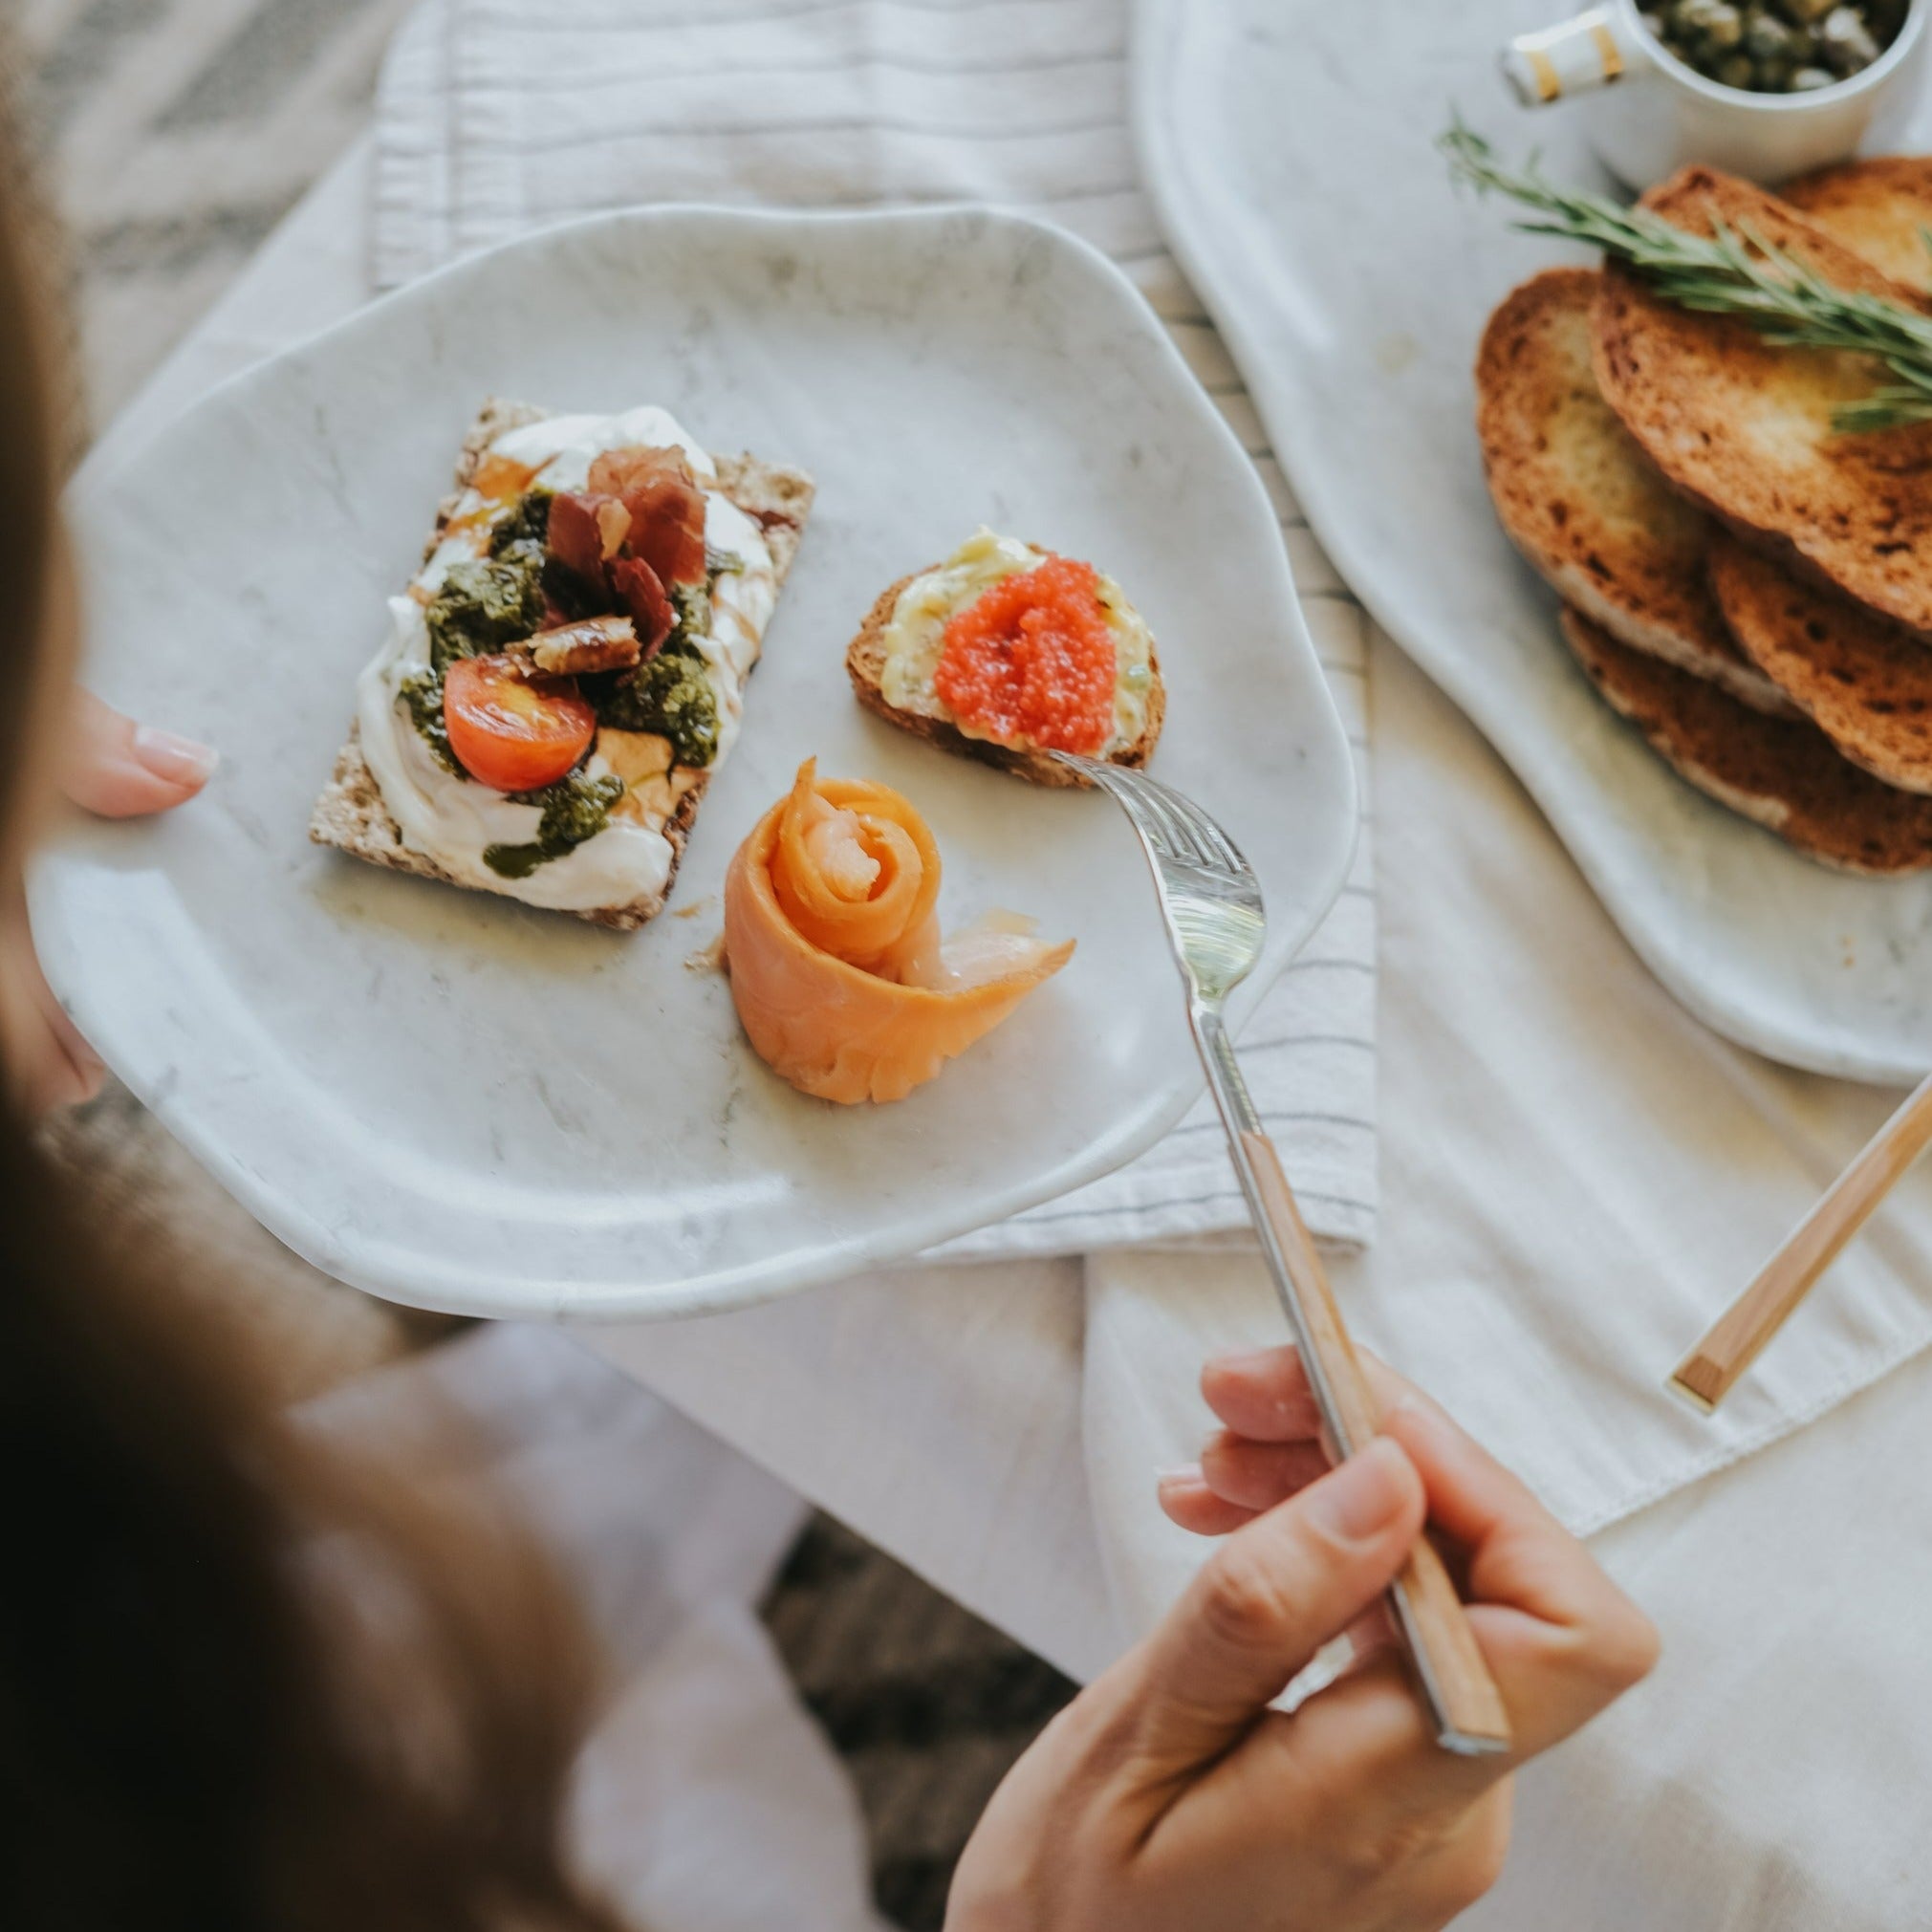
1215, 922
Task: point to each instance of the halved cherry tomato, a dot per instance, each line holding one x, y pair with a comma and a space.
512, 730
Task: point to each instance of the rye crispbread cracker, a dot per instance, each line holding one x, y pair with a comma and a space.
350, 815
866, 665
1745, 428
1782, 773
1589, 510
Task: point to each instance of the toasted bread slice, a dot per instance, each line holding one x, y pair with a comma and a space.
866, 665
1782, 773
350, 816
1864, 681
1878, 208
1591, 512
1745, 429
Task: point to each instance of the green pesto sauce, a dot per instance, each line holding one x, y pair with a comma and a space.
422, 691
671, 696
574, 809
692, 603
484, 605
527, 522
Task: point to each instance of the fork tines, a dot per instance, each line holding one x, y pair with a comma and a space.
1186, 834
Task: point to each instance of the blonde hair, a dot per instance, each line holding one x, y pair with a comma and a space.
27, 489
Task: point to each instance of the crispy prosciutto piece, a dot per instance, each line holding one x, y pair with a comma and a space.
573, 538
621, 544
665, 532
614, 525
616, 473
593, 645
666, 509
651, 610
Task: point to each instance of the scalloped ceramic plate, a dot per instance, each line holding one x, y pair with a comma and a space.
454, 1102
1288, 143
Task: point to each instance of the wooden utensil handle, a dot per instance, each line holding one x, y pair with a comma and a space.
1467, 1706
1729, 1346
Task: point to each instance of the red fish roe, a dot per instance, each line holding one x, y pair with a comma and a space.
1031, 660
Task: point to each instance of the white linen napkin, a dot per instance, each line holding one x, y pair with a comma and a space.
1587, 1174
499, 116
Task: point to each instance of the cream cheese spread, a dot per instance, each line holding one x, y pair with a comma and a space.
916, 635
454, 820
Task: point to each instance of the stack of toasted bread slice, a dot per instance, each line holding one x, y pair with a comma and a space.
1750, 587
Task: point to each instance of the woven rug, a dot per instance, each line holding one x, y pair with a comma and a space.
170, 137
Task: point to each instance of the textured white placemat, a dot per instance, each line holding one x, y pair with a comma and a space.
499, 116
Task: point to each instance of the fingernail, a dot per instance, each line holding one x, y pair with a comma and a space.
1187, 1472
1359, 1500
1242, 1360
181, 761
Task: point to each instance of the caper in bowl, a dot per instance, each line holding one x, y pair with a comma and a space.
1777, 46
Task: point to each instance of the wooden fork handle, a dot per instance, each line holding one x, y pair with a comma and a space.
1461, 1695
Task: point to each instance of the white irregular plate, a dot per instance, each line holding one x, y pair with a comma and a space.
1288, 143
457, 1103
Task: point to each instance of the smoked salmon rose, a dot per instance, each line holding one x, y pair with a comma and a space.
839, 974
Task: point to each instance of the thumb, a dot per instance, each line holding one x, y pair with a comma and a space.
121, 770
1270, 1596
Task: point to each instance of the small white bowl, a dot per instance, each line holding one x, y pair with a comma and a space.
1650, 112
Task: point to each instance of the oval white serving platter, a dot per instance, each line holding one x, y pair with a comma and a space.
457, 1103
1289, 147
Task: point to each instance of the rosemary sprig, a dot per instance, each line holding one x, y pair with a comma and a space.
1730, 272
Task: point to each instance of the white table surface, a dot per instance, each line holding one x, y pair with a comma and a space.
1774, 1774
